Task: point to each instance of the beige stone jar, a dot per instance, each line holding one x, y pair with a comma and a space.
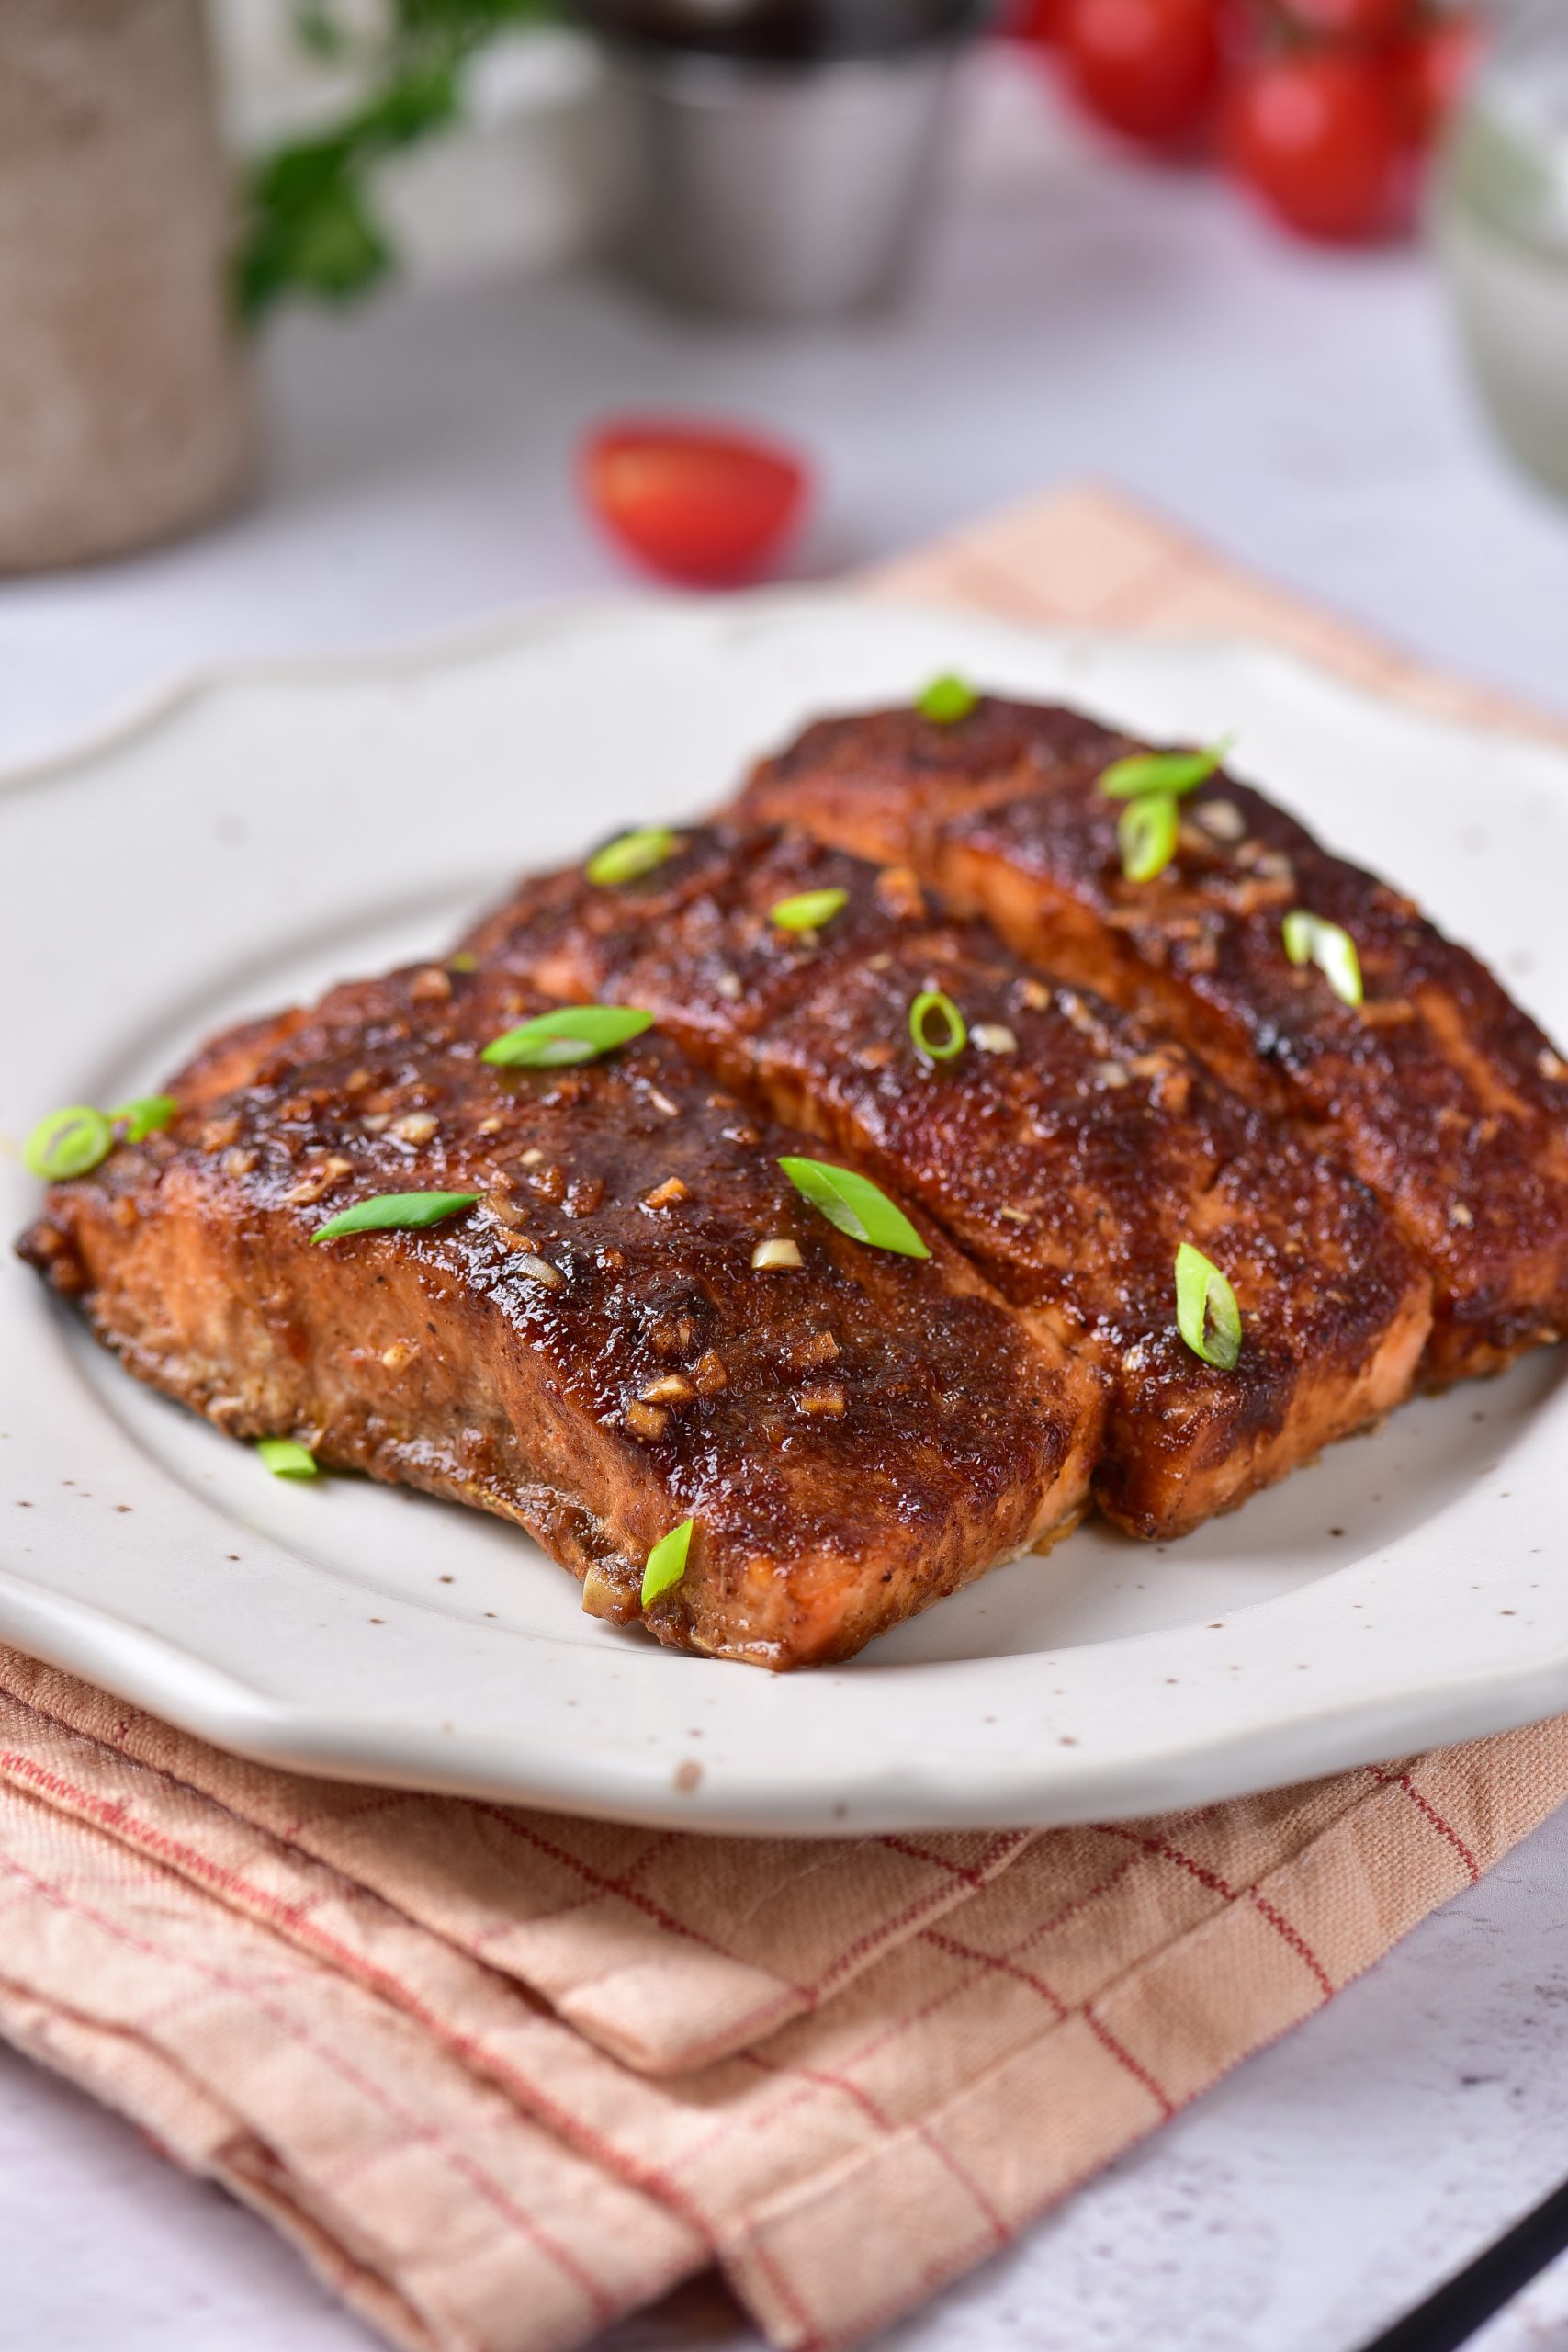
125, 400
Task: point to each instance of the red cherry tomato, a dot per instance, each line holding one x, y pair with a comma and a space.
1317, 135
1433, 68
1373, 21
1149, 68
699, 503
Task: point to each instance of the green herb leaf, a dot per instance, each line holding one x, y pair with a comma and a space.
68, 1143
1310, 939
933, 1005
947, 700
855, 1205
388, 1212
1206, 1313
577, 1033
1146, 835
311, 222
311, 230
143, 1116
1172, 772
630, 856
809, 911
667, 1562
286, 1458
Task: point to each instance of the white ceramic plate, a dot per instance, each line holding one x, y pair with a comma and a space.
260, 834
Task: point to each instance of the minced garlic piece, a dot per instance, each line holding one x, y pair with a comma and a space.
540, 1269
317, 1181
769, 1257
1221, 819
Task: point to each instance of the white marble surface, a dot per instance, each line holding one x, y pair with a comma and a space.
1302, 410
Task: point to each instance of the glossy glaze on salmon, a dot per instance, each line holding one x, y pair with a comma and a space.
1440, 1094
588, 1350
1067, 1151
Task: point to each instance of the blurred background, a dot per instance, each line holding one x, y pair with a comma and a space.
331, 321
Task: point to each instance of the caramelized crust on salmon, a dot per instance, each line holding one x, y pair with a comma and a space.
1067, 1151
588, 1349
1445, 1098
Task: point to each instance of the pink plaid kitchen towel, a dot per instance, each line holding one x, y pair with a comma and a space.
503, 2077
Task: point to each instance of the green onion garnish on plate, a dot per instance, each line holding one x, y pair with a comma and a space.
953, 1032
666, 1562
1206, 1313
808, 911
286, 1458
947, 700
1311, 939
394, 1212
576, 1033
143, 1116
1172, 772
631, 854
68, 1143
1146, 835
855, 1205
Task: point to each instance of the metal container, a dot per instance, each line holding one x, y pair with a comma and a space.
749, 181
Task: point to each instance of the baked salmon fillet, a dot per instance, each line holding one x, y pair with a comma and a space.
1437, 1090
587, 1346
1065, 1150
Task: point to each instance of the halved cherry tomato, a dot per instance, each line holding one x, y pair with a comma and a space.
1317, 135
1149, 68
1373, 21
704, 504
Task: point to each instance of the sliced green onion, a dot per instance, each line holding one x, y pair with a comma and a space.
1206, 1313
465, 960
667, 1562
1311, 939
577, 1032
143, 1116
286, 1458
394, 1212
1172, 772
947, 700
631, 854
933, 1005
809, 911
68, 1143
855, 1205
1146, 835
